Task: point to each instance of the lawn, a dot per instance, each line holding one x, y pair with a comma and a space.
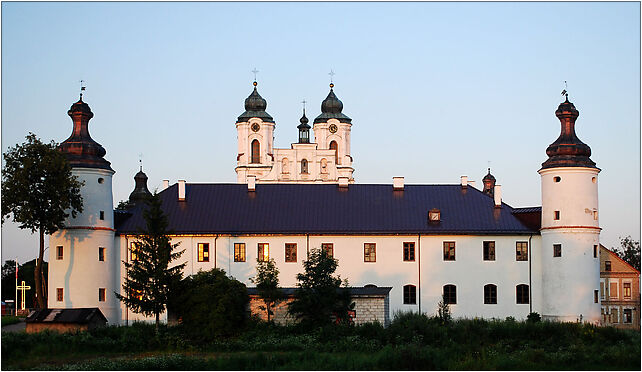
411, 342
9, 319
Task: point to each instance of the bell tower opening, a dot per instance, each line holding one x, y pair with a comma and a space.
335, 147
256, 152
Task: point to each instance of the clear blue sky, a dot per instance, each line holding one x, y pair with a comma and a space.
435, 90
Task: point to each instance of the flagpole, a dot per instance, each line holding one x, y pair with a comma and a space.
16, 298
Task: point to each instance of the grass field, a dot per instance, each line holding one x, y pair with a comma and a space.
411, 342
9, 319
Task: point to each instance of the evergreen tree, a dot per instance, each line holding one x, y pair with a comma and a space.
629, 251
40, 192
267, 284
149, 276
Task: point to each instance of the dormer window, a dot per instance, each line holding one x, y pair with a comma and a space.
434, 215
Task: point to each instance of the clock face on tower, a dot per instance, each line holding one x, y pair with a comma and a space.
256, 127
333, 128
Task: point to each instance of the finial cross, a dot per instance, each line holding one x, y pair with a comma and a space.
255, 71
565, 92
331, 73
304, 102
140, 160
82, 87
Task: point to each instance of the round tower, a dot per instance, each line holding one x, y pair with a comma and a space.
84, 260
570, 226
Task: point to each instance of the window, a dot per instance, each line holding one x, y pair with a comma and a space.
328, 248
626, 290
522, 294
369, 252
335, 147
489, 251
521, 253
203, 252
239, 252
449, 251
556, 217
101, 180
409, 251
409, 294
602, 290
450, 294
101, 253
101, 294
557, 250
614, 316
627, 316
59, 294
290, 252
613, 290
133, 251
263, 254
557, 179
607, 265
595, 215
490, 294
59, 252
595, 295
304, 166
102, 215
256, 152
595, 251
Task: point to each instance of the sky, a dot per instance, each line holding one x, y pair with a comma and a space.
435, 90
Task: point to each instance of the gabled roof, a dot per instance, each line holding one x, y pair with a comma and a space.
329, 209
613, 254
78, 316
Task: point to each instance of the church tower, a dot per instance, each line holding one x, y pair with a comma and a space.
332, 131
255, 136
570, 226
84, 262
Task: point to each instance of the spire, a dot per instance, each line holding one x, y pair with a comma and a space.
255, 106
81, 150
331, 108
489, 184
141, 192
568, 150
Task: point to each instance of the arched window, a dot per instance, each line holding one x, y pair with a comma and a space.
285, 166
409, 294
490, 294
304, 166
522, 294
450, 294
256, 152
335, 147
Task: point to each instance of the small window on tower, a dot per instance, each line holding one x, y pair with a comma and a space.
101, 294
101, 180
595, 215
595, 251
557, 178
595, 296
59, 252
557, 250
556, 216
102, 215
59, 294
101, 254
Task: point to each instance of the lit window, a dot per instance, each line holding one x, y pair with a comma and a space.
556, 216
133, 251
522, 294
490, 294
409, 294
101, 254
328, 248
203, 252
369, 252
450, 294
449, 251
409, 251
59, 252
607, 265
263, 254
59, 294
290, 252
626, 290
489, 251
239, 252
627, 316
557, 250
101, 294
521, 253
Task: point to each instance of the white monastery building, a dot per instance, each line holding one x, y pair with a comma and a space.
421, 242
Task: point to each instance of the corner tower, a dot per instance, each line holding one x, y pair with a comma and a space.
570, 226
255, 136
84, 263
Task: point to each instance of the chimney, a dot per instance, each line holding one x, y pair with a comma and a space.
343, 181
498, 196
471, 183
181, 190
165, 184
251, 183
397, 183
464, 182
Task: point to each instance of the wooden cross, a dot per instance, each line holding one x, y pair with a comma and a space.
24, 289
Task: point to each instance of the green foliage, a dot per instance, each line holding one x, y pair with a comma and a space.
320, 296
533, 318
443, 310
210, 304
149, 277
629, 251
267, 284
39, 192
9, 319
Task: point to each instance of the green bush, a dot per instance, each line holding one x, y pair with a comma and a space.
533, 318
9, 319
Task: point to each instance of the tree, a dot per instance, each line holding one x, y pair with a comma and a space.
267, 284
40, 192
210, 304
629, 251
319, 294
443, 310
149, 276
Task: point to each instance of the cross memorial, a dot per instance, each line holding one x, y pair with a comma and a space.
24, 289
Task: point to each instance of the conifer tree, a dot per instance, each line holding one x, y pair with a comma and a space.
149, 276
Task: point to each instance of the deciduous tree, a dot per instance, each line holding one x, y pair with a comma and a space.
267, 284
629, 251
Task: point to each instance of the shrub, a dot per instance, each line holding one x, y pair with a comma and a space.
533, 318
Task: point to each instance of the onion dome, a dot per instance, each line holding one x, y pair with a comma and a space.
141, 192
489, 184
255, 106
304, 129
331, 108
81, 150
568, 150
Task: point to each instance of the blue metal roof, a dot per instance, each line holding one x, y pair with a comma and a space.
329, 209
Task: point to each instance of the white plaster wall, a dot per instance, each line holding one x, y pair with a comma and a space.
96, 197
575, 196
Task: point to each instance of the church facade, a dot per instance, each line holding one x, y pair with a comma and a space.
425, 242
